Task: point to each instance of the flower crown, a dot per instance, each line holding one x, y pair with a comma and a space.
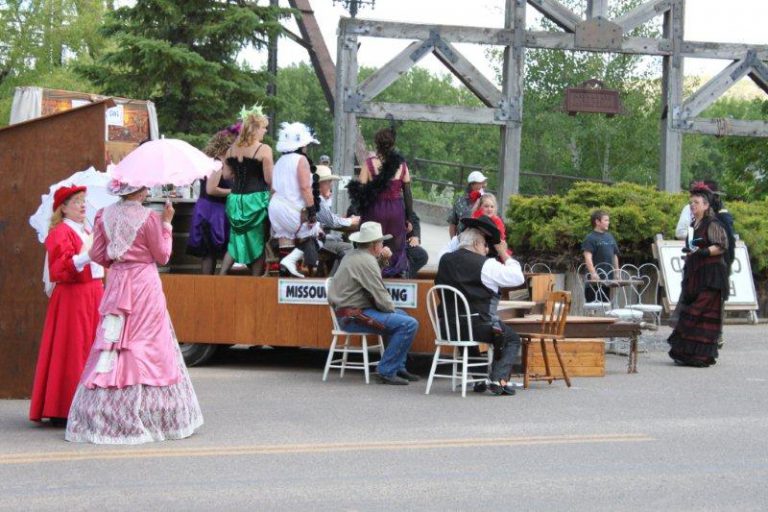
256, 110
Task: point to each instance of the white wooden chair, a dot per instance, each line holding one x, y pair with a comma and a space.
342, 345
449, 312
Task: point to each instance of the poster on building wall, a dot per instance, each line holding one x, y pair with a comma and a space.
669, 254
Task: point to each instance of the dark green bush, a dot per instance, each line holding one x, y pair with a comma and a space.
551, 228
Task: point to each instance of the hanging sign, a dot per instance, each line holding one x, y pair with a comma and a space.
312, 292
669, 254
592, 97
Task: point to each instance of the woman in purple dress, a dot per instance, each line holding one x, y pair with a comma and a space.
209, 230
383, 195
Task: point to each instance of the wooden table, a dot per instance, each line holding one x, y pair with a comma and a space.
614, 283
515, 308
587, 327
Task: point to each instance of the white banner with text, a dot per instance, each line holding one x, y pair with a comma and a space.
312, 291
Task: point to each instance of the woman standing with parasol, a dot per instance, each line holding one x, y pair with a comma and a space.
73, 312
135, 387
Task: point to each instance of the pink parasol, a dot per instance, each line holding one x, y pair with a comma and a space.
163, 162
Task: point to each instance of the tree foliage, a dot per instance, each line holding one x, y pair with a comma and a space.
40, 40
183, 56
551, 228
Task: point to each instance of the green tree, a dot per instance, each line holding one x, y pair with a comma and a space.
40, 41
183, 55
623, 147
744, 160
300, 99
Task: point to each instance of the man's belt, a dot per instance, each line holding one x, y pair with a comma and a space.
357, 315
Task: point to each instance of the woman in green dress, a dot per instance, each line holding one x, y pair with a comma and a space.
248, 165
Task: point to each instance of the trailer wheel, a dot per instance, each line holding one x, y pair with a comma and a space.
197, 353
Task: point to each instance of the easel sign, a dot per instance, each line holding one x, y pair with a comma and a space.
669, 255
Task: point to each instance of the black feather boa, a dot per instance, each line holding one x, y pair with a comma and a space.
363, 195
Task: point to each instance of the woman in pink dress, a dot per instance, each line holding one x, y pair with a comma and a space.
135, 387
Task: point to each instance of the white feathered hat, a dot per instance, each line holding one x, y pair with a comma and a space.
293, 136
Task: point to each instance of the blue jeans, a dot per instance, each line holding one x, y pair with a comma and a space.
399, 328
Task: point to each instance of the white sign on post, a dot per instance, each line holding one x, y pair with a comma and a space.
115, 116
742, 296
312, 291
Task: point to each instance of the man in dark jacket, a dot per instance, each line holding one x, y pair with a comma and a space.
479, 278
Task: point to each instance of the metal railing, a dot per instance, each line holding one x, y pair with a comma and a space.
462, 170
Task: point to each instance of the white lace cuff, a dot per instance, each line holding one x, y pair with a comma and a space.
80, 260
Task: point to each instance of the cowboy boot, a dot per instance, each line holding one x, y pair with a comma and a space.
291, 260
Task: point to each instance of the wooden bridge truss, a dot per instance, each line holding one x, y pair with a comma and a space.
504, 107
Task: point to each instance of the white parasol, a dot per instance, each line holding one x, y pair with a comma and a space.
96, 198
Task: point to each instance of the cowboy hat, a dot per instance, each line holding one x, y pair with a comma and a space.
324, 174
476, 177
369, 232
486, 226
64, 193
293, 136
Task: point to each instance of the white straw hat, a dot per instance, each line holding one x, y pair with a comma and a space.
369, 232
293, 136
476, 177
324, 174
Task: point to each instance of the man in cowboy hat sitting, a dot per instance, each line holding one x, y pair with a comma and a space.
479, 278
332, 242
363, 304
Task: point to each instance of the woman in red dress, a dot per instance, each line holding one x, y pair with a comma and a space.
73, 311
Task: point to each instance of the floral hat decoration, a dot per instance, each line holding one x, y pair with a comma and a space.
255, 110
293, 136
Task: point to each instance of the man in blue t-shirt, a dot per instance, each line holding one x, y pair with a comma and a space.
601, 256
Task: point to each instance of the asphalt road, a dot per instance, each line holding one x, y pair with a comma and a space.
277, 438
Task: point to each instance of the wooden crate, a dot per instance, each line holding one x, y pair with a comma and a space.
583, 357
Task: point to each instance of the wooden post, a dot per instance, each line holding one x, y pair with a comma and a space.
345, 130
597, 9
672, 100
512, 99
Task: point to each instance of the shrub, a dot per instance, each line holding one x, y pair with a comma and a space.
551, 228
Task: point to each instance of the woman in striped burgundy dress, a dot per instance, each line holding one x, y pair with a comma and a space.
694, 339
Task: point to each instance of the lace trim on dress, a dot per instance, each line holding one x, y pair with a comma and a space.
122, 221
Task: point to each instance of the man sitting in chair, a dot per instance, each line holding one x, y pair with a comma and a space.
479, 277
332, 242
363, 303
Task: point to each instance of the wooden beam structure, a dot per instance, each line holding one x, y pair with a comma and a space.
594, 32
721, 127
557, 13
642, 13
428, 113
672, 97
713, 89
320, 56
468, 74
512, 92
548, 40
597, 9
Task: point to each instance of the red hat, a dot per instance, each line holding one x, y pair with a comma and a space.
64, 193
